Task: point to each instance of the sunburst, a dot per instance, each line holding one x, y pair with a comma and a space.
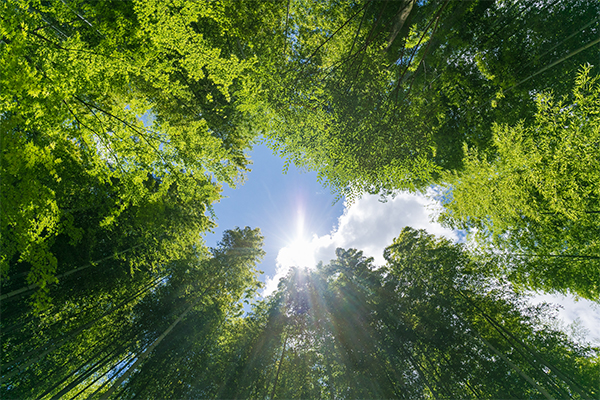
299, 253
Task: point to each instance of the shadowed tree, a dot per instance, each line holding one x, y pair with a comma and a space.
95, 340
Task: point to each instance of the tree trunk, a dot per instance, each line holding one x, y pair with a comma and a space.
148, 350
278, 368
405, 10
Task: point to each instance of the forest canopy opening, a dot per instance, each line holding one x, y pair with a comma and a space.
109, 290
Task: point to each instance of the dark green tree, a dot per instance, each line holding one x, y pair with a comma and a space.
94, 340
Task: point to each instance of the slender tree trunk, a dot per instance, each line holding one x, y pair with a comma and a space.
34, 285
514, 367
421, 373
127, 360
571, 54
100, 376
279, 368
475, 393
585, 212
393, 382
334, 33
148, 350
329, 374
437, 375
409, 358
411, 361
405, 10
556, 256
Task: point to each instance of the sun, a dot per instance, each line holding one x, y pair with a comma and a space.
299, 253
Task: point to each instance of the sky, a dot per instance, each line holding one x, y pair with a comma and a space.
302, 225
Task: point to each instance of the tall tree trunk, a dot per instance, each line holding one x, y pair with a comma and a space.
279, 368
34, 285
148, 350
403, 14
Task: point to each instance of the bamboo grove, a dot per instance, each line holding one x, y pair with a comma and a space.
120, 122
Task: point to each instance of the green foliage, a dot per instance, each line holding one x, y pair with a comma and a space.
537, 197
120, 111
121, 120
381, 96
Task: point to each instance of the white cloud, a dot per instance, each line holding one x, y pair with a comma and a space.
583, 313
368, 225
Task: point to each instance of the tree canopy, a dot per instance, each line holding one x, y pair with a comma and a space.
381, 96
537, 198
121, 120
111, 123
